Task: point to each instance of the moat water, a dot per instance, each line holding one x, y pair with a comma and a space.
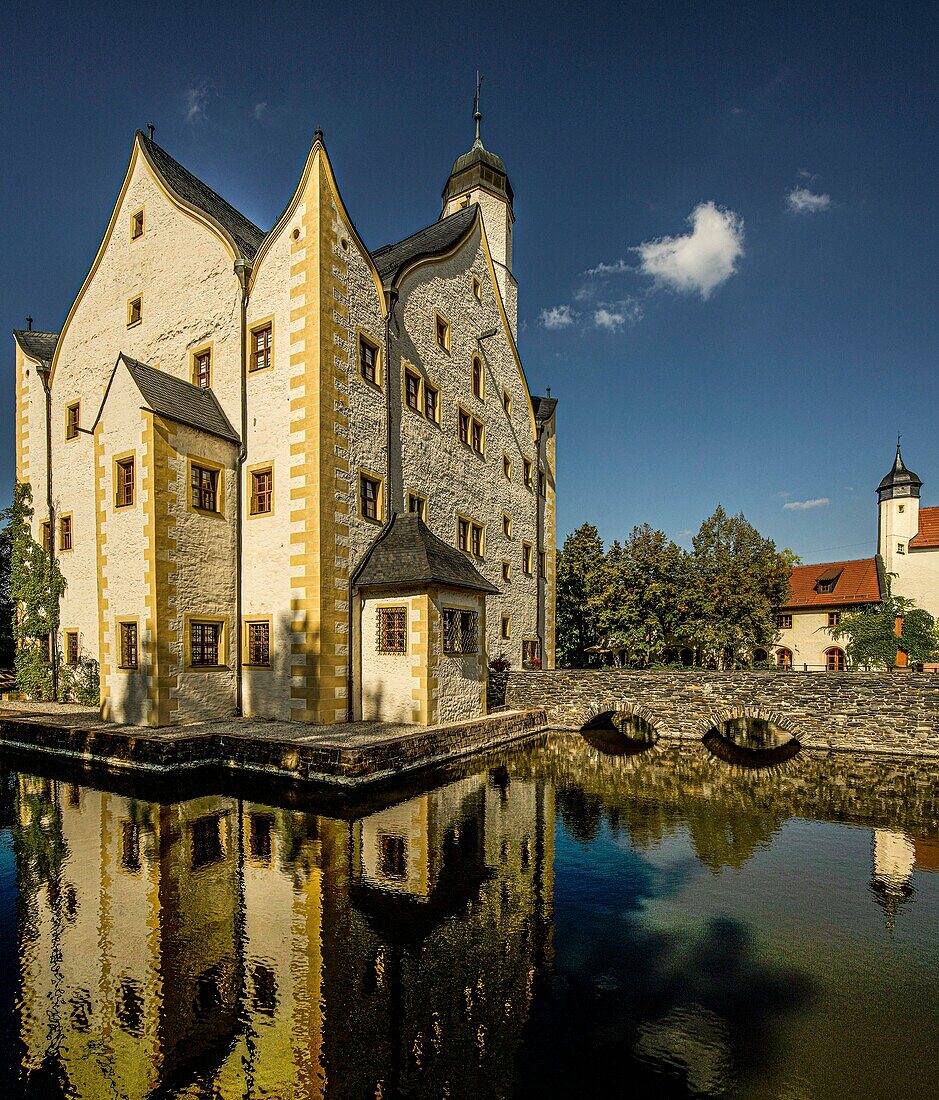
585, 916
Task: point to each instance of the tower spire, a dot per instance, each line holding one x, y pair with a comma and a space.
477, 114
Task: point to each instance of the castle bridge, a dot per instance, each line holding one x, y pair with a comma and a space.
856, 711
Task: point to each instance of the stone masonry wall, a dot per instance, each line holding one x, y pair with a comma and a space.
872, 712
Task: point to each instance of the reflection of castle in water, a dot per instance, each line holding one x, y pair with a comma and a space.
895, 857
235, 944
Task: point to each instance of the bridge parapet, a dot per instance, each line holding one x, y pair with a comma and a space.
859, 711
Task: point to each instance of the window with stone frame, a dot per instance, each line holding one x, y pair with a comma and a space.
65, 532
442, 332
72, 420
431, 403
204, 488
527, 472
479, 378
526, 558
134, 311
71, 648
507, 467
506, 570
463, 534
506, 630
412, 390
477, 288
262, 491
507, 402
784, 622
477, 437
202, 369
368, 359
460, 631
369, 497
204, 641
45, 535
392, 630
506, 525
129, 657
259, 644
262, 340
834, 619
476, 540
463, 426
136, 225
125, 483
418, 505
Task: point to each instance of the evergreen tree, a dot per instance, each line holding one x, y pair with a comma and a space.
578, 584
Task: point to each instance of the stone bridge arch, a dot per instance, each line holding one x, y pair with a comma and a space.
611, 704
715, 717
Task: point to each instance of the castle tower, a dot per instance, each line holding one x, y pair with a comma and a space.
893, 861
898, 518
480, 176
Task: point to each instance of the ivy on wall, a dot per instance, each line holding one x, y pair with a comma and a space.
35, 587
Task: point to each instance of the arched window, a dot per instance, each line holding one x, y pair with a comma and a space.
834, 660
784, 658
759, 655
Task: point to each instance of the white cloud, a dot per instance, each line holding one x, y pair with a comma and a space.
611, 316
195, 102
259, 109
557, 317
700, 260
618, 267
801, 200
802, 505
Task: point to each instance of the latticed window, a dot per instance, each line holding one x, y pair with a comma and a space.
203, 643
784, 658
261, 342
431, 403
262, 491
462, 534
71, 647
834, 618
476, 539
460, 631
392, 630
125, 482
259, 644
369, 490
129, 657
784, 622
412, 390
463, 426
477, 437
834, 660
368, 360
202, 370
204, 488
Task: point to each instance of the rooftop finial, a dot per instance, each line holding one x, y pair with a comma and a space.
477, 115
151, 128
898, 442
29, 323
318, 134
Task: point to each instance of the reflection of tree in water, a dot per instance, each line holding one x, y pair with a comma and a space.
727, 834
37, 838
649, 1014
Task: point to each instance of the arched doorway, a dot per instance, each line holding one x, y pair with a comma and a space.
834, 659
784, 659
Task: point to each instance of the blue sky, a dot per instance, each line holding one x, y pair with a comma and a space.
755, 183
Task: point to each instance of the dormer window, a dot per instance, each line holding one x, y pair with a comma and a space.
824, 587
825, 584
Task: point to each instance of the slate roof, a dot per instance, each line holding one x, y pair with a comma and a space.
37, 345
246, 235
899, 475
856, 582
439, 237
928, 533
544, 407
407, 553
180, 401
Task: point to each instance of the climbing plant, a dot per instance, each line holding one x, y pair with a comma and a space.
36, 585
869, 633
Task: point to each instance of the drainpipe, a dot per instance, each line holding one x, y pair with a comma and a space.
242, 273
53, 634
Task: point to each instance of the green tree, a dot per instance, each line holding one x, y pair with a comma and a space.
644, 595
578, 578
35, 589
739, 580
869, 633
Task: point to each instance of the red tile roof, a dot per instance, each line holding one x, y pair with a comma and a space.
857, 583
928, 534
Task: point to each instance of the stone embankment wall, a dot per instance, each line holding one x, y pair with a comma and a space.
869, 712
